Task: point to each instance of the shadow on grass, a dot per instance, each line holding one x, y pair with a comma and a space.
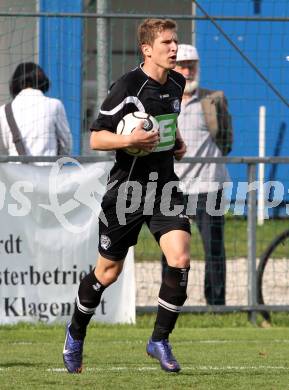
18, 364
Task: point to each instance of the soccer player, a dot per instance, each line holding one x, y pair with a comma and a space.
155, 88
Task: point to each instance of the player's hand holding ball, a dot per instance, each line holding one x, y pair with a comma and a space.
143, 130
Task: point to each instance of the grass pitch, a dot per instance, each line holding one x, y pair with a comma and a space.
235, 240
215, 352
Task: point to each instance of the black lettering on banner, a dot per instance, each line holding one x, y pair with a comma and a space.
47, 275
66, 309
42, 309
34, 277
20, 307
9, 307
14, 278
54, 309
11, 245
102, 306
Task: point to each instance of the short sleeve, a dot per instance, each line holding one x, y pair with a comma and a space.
117, 104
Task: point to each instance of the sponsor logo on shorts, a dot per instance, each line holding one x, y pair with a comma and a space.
105, 241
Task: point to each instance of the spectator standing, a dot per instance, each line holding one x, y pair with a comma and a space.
41, 121
205, 125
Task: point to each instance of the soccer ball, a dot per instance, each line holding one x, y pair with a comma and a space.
129, 122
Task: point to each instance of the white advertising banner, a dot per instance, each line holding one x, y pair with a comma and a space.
49, 240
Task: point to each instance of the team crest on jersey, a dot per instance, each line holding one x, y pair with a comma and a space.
105, 242
176, 105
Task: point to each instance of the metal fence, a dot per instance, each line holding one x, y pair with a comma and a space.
236, 56
148, 281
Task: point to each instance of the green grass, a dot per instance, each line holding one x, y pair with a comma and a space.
215, 351
235, 240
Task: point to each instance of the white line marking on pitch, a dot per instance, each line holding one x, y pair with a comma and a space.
196, 368
268, 341
186, 368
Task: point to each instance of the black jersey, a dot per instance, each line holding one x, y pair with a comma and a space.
135, 91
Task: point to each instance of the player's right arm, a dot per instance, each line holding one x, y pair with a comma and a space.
120, 101
139, 138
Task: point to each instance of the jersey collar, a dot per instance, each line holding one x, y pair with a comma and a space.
150, 78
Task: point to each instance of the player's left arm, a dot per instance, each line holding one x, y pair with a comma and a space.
180, 146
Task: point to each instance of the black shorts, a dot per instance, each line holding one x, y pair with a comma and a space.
115, 236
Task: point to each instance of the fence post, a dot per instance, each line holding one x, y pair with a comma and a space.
251, 237
262, 152
102, 54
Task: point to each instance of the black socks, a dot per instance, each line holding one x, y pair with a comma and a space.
87, 300
172, 296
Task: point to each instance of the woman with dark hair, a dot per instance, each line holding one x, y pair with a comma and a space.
41, 120
28, 75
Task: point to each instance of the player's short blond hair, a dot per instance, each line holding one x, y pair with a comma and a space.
149, 29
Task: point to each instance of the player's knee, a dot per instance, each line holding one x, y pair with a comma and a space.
184, 261
109, 275
180, 261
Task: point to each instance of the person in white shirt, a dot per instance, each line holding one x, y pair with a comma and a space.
41, 120
204, 183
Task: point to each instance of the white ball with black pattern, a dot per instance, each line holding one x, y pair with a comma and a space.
129, 122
